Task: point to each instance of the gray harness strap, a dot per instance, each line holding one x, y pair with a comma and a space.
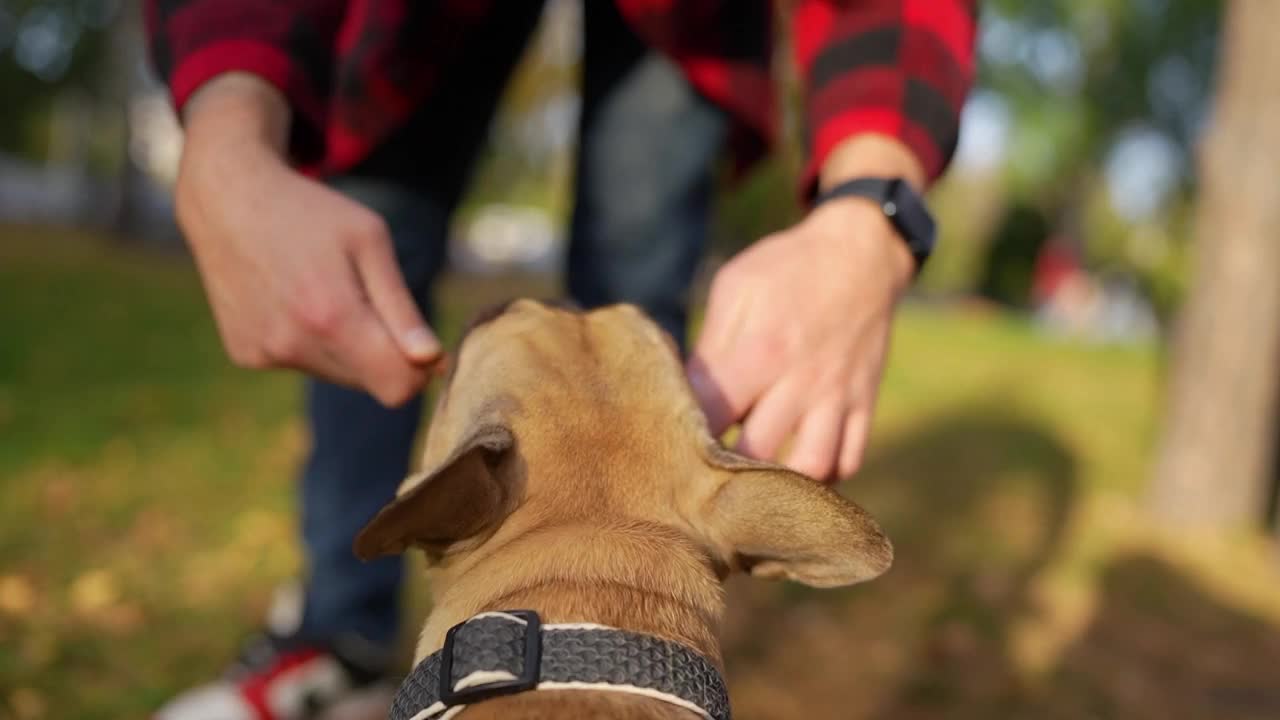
495, 654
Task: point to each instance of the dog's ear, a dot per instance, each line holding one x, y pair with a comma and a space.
468, 493
777, 523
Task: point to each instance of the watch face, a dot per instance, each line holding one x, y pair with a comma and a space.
912, 219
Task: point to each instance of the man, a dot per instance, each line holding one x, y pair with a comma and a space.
328, 142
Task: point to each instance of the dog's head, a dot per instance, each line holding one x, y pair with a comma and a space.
552, 416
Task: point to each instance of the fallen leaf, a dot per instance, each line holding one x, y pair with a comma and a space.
94, 591
38, 647
122, 619
27, 704
17, 596
59, 496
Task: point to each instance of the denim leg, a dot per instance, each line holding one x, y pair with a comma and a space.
647, 148
360, 450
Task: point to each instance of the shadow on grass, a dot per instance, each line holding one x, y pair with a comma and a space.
977, 504
1160, 646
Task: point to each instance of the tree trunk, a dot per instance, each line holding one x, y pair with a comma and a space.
124, 79
1213, 462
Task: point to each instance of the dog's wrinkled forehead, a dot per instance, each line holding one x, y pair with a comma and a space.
497, 310
524, 333
488, 315
566, 317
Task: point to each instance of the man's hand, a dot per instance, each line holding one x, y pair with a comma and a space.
797, 326
297, 274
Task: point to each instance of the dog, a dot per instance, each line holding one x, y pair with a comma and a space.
568, 470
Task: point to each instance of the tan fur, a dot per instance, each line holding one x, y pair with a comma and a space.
569, 470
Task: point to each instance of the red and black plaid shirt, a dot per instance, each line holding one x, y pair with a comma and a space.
354, 70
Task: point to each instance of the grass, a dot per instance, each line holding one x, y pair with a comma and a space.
146, 493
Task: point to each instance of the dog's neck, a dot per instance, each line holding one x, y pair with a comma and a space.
633, 576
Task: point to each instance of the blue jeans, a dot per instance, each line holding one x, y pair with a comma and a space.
647, 147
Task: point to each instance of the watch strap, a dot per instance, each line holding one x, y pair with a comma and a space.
904, 209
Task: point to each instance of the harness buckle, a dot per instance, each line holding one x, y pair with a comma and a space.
529, 674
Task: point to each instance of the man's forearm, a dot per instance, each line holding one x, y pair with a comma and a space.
236, 125
892, 68
287, 44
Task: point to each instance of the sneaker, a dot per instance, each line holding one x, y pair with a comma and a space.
283, 677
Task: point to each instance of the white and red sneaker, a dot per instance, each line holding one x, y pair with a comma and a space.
280, 677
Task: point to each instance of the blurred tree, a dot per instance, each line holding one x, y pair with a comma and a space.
1007, 276
48, 47
1220, 427
1080, 77
1116, 85
124, 79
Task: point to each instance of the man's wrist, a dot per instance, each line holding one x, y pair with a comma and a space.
871, 155
239, 108
867, 239
236, 128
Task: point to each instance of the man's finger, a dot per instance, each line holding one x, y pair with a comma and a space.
710, 397
380, 366
380, 276
724, 384
817, 443
856, 428
771, 419
320, 362
724, 390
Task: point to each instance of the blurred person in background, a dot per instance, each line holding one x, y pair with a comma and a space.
328, 142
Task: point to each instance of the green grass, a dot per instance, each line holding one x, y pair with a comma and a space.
146, 490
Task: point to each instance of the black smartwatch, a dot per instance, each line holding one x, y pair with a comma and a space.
900, 204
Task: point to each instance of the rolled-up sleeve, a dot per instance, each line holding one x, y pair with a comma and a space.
289, 44
900, 68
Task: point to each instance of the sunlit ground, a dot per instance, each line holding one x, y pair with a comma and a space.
145, 514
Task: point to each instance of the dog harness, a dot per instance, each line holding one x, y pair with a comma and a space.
503, 653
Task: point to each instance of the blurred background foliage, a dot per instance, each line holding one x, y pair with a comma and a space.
1080, 133
1101, 90
57, 53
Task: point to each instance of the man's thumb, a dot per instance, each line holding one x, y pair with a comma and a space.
710, 397
380, 275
